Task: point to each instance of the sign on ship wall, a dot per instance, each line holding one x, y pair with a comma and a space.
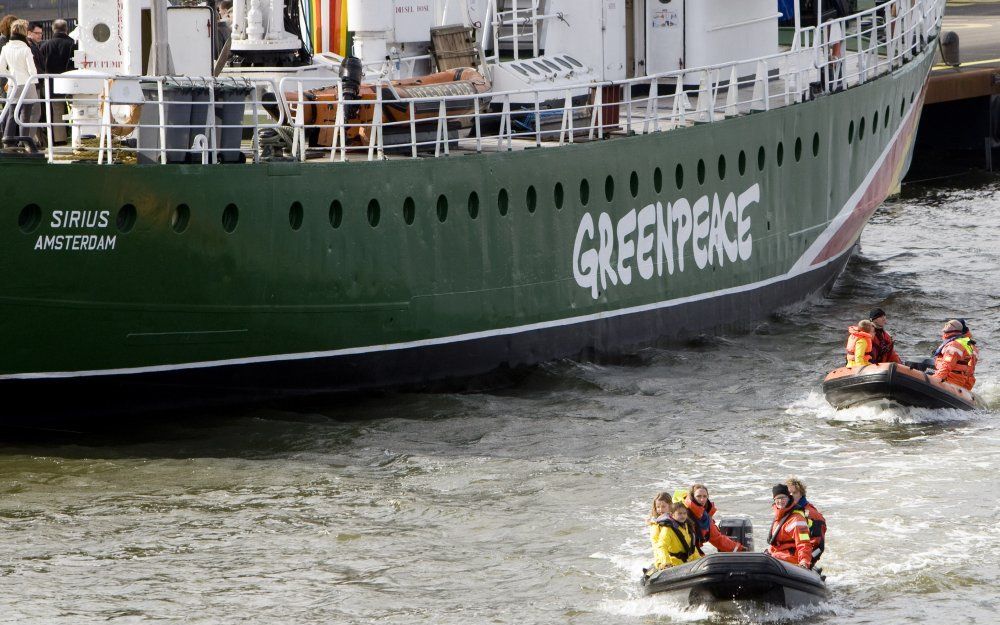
645, 243
78, 231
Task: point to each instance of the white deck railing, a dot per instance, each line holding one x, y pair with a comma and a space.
839, 54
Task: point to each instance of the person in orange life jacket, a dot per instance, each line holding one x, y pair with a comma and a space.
789, 538
700, 512
815, 519
660, 512
675, 542
860, 344
956, 358
883, 349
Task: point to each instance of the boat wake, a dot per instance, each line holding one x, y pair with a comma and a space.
815, 405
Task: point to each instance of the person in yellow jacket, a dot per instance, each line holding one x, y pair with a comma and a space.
860, 344
660, 511
674, 545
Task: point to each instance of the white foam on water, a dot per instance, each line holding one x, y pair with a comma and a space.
815, 405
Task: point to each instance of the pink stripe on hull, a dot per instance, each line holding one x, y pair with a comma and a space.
882, 183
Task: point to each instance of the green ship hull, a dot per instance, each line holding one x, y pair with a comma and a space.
199, 282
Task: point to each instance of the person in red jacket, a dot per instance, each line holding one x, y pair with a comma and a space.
815, 519
883, 349
701, 510
789, 538
955, 360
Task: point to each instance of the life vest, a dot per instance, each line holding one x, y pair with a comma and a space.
852, 341
817, 527
784, 543
687, 549
883, 347
961, 368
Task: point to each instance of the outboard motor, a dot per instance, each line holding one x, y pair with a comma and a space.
351, 74
739, 529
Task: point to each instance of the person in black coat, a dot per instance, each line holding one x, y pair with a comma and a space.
58, 58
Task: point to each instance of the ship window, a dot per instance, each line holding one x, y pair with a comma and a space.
633, 184
503, 202
902, 107
850, 132
295, 215
679, 176
336, 213
798, 149
742, 162
557, 195
885, 118
442, 208
30, 218
912, 96
564, 63
531, 199
780, 155
409, 211
473, 205
701, 171
179, 220
530, 69
374, 212
609, 188
519, 68
126, 218
550, 65
573, 61
541, 66
815, 144
101, 32
722, 167
230, 218
861, 130
584, 192
657, 180
761, 157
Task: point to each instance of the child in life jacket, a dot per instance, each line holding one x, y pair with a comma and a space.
860, 344
660, 512
674, 543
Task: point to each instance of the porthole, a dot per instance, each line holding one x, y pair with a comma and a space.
101, 32
815, 144
679, 176
761, 158
531, 199
126, 218
584, 192
701, 171
722, 167
180, 218
409, 211
473, 205
780, 154
337, 213
230, 218
902, 107
374, 213
633, 184
885, 118
442, 208
657, 180
558, 196
503, 202
875, 123
850, 132
861, 130
741, 162
29, 218
609, 188
295, 215
913, 96
798, 149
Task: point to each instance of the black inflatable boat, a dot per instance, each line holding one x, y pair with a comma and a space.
745, 576
906, 385
722, 577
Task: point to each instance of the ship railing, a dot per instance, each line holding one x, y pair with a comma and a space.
524, 19
180, 119
8, 87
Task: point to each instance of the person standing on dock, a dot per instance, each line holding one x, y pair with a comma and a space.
883, 348
955, 359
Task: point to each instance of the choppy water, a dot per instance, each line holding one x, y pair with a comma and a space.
525, 504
